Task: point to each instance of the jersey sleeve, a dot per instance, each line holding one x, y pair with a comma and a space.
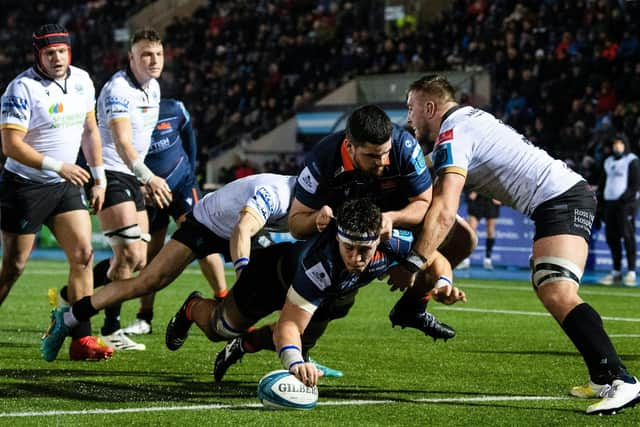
312, 184
188, 136
15, 111
452, 152
116, 104
414, 168
263, 205
309, 285
399, 245
90, 94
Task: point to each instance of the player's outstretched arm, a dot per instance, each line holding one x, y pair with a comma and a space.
286, 337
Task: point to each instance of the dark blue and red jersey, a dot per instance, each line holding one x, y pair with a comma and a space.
329, 177
321, 274
172, 153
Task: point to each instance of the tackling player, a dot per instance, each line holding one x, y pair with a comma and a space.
307, 278
475, 149
47, 114
372, 158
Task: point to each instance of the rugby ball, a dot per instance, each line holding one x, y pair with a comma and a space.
281, 390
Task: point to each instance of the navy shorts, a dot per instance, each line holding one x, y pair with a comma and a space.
185, 195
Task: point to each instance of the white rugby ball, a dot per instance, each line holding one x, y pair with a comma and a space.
281, 390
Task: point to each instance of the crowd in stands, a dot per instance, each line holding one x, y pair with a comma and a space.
565, 73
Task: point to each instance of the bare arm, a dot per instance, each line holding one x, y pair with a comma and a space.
157, 187
412, 214
441, 214
13, 146
92, 149
122, 134
304, 221
286, 337
240, 241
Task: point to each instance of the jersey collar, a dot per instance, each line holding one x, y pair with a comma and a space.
347, 164
43, 76
449, 112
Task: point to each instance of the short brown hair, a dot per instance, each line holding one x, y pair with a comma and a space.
434, 85
147, 34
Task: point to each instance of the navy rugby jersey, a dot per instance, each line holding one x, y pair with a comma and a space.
329, 177
172, 153
321, 274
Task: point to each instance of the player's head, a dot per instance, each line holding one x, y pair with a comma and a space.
359, 224
368, 139
52, 50
428, 99
146, 55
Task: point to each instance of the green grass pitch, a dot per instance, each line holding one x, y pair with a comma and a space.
509, 365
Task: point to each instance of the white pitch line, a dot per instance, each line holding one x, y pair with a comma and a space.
528, 313
258, 405
584, 290
624, 335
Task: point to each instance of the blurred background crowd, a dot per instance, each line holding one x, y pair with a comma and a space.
565, 73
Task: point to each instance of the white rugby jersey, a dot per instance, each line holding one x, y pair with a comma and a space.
123, 98
617, 171
499, 162
52, 117
266, 196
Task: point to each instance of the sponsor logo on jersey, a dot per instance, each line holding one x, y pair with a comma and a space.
14, 102
444, 136
318, 275
442, 156
13, 113
307, 181
264, 202
56, 108
116, 103
163, 126
417, 160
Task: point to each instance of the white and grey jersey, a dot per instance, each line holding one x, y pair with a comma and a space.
266, 196
123, 98
498, 162
617, 171
51, 113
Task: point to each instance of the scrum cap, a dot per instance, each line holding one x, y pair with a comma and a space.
50, 35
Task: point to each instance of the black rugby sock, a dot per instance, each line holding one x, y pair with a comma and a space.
489, 248
100, 271
583, 326
83, 310
82, 330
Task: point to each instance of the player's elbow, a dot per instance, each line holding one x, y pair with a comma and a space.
296, 229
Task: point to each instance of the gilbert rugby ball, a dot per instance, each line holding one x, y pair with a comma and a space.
281, 390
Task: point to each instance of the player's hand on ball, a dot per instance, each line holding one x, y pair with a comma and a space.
307, 373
